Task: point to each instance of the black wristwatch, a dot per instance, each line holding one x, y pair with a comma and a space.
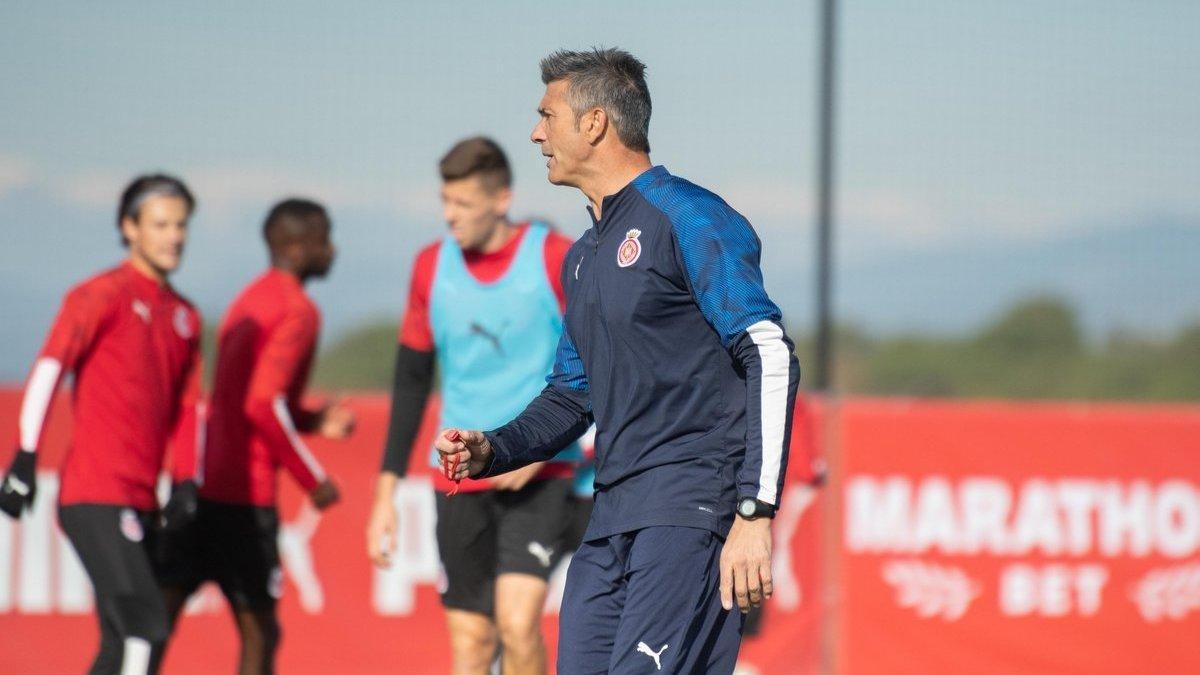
751, 509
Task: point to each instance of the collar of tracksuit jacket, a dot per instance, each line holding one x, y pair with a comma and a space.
612, 205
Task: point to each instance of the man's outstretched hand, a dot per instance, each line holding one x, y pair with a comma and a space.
336, 421
471, 449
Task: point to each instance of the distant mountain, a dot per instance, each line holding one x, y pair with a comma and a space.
1143, 276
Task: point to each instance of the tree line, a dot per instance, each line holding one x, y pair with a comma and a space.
1036, 349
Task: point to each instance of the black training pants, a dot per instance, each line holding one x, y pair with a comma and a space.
116, 545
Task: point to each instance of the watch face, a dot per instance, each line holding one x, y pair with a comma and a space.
747, 507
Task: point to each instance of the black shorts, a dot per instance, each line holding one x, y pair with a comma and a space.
117, 546
234, 545
482, 535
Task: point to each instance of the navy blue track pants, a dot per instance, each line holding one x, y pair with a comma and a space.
647, 601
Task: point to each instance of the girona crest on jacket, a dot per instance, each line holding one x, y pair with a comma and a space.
183, 323
630, 249
131, 527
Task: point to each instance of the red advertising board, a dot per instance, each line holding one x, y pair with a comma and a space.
339, 614
966, 538
1018, 538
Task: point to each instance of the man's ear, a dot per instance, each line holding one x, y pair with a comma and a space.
128, 229
293, 252
595, 124
504, 197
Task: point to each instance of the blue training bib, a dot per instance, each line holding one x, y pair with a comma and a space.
495, 341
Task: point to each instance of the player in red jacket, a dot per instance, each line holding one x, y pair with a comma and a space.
133, 345
265, 351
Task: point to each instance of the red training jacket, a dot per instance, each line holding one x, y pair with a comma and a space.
133, 345
264, 354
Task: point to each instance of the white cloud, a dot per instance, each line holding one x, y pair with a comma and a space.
94, 189
865, 217
872, 219
224, 190
15, 173
769, 200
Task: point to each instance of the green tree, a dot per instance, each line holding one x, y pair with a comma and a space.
1035, 349
1040, 327
363, 358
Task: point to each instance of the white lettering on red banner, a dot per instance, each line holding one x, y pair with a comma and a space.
1066, 517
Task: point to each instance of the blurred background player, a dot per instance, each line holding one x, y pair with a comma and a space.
487, 301
133, 345
265, 351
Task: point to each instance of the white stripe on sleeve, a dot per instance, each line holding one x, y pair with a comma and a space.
201, 429
38, 393
285, 421
776, 371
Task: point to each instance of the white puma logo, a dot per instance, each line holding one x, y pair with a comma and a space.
141, 309
644, 648
14, 484
540, 552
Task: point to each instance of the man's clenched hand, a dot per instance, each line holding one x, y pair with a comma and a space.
470, 448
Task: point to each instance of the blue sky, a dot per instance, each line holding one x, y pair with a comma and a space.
961, 123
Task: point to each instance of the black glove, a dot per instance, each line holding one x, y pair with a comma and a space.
19, 485
181, 507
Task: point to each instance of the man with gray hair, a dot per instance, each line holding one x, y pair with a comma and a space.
673, 347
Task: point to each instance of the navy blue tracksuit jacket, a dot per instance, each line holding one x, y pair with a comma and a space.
672, 346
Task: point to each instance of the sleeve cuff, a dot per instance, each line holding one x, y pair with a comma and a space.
499, 457
753, 494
